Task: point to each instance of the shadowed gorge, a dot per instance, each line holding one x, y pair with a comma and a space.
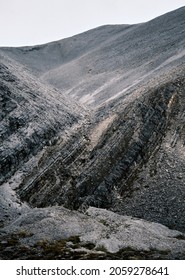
92, 133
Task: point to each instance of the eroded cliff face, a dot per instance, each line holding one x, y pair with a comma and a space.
134, 166
122, 151
32, 116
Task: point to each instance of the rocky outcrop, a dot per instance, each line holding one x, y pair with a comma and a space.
98, 233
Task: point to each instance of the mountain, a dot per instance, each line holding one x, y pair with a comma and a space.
95, 123
32, 116
104, 62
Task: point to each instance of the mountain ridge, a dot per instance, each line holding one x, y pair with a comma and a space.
120, 54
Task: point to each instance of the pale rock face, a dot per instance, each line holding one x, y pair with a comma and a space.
105, 229
95, 124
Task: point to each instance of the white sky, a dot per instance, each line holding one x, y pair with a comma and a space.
31, 22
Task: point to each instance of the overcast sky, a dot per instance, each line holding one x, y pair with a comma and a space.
31, 22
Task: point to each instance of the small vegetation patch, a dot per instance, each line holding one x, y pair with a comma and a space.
72, 249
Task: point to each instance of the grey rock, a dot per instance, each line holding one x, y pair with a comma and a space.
106, 230
96, 120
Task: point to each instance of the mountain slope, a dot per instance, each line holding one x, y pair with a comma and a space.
101, 63
141, 142
96, 120
32, 116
